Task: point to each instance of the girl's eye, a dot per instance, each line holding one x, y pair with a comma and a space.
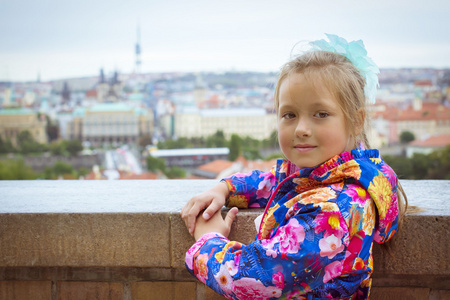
321, 115
288, 116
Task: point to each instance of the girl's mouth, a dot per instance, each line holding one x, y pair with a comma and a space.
304, 147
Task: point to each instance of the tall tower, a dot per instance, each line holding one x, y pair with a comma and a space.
138, 51
65, 94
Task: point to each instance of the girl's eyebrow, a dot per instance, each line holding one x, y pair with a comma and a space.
314, 105
324, 104
286, 105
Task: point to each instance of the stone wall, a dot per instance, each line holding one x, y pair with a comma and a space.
125, 240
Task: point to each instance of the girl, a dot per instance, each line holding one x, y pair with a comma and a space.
325, 203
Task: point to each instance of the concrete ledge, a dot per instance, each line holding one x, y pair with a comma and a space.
126, 232
85, 240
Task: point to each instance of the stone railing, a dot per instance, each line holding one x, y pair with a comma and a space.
125, 240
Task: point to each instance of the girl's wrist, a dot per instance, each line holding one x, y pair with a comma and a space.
224, 187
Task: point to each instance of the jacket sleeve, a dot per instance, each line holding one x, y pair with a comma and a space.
297, 258
251, 189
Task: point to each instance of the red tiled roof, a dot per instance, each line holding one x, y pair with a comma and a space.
91, 176
261, 165
146, 175
91, 94
429, 111
423, 83
249, 165
124, 176
434, 141
216, 166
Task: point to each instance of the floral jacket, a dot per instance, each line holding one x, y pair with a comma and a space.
316, 237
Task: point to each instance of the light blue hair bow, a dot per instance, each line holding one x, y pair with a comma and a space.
357, 54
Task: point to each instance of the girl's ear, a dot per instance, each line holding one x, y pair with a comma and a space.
359, 121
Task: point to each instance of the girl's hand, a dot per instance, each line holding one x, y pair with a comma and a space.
215, 224
213, 200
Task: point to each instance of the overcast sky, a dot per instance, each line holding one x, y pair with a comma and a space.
64, 39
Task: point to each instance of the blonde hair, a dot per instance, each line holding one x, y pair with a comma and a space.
341, 78
344, 81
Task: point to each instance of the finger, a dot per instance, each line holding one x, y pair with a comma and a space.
214, 207
192, 215
230, 217
190, 221
187, 207
184, 209
186, 217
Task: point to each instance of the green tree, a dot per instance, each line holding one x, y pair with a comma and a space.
400, 164
272, 141
216, 140
27, 143
56, 148
23, 137
175, 172
420, 166
154, 164
82, 171
61, 168
274, 156
52, 129
6, 146
406, 137
16, 170
74, 147
439, 164
251, 148
198, 142
235, 147
251, 153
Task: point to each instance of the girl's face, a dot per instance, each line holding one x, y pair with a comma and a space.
311, 125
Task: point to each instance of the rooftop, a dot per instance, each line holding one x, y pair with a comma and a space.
434, 141
110, 107
216, 166
16, 111
429, 111
234, 112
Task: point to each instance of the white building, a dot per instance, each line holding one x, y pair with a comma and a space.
428, 145
191, 122
111, 123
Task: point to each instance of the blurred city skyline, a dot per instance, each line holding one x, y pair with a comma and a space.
55, 40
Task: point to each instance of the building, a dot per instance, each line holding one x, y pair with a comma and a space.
190, 158
191, 122
109, 91
217, 169
428, 145
423, 119
15, 120
110, 123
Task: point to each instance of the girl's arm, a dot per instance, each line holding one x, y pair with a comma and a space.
241, 190
213, 200
215, 224
251, 189
304, 254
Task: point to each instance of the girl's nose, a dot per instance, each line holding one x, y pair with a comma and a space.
303, 129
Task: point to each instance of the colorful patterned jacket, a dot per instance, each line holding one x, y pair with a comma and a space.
316, 237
